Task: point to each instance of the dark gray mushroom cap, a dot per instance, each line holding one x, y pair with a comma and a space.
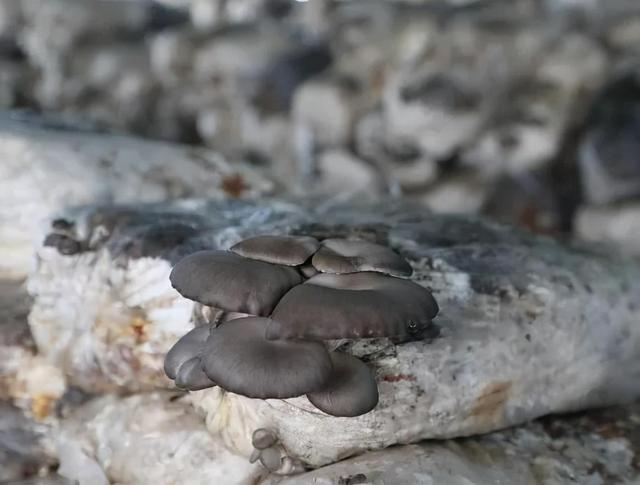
350, 391
239, 359
191, 376
263, 438
350, 256
189, 346
286, 250
358, 305
225, 280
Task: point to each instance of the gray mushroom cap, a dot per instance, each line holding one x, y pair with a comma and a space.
286, 250
191, 376
263, 438
190, 345
351, 256
239, 359
358, 305
350, 391
271, 459
225, 280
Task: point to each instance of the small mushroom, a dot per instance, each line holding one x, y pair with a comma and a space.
263, 438
189, 346
239, 359
271, 459
350, 391
191, 376
255, 455
358, 305
225, 280
351, 256
285, 250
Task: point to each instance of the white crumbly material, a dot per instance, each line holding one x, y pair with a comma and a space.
45, 169
120, 320
30, 382
146, 439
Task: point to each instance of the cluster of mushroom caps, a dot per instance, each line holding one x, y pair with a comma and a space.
283, 298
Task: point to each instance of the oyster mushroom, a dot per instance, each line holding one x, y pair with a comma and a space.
271, 459
231, 282
183, 362
263, 438
353, 256
189, 346
241, 360
191, 376
285, 250
351, 390
356, 295
358, 305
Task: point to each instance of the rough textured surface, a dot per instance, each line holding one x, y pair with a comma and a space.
29, 390
27, 380
146, 439
598, 448
527, 326
14, 307
30, 381
68, 167
22, 445
156, 438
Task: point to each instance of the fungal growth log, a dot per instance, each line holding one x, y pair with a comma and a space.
292, 298
278, 349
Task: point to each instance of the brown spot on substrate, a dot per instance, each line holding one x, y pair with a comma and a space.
398, 377
138, 324
488, 408
41, 405
234, 185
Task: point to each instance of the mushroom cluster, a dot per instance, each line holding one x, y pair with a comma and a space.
281, 298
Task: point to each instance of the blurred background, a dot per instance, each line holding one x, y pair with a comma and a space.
527, 111
522, 111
